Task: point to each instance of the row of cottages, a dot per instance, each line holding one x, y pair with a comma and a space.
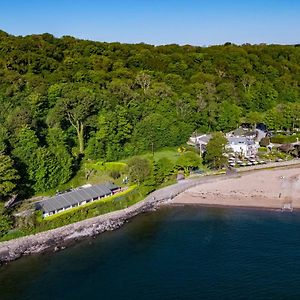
76, 198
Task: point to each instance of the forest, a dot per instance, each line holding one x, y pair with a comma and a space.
64, 100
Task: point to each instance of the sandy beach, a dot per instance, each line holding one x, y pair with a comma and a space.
275, 188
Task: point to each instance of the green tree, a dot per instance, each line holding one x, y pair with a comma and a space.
253, 118
42, 167
215, 150
138, 169
43, 171
162, 170
8, 176
229, 116
56, 140
3, 137
77, 104
114, 132
25, 146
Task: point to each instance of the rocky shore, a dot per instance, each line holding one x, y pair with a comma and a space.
60, 238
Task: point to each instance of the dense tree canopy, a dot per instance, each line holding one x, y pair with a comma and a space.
65, 98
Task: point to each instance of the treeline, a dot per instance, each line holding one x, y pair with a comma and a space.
65, 99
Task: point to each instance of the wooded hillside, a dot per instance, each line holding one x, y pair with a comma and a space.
63, 99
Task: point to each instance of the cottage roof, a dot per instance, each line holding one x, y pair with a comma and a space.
75, 197
237, 140
203, 138
239, 131
240, 141
250, 133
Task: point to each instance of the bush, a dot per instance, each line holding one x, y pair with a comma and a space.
5, 224
284, 139
139, 169
116, 166
188, 160
262, 149
114, 174
264, 142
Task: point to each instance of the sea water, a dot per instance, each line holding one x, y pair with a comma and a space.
175, 253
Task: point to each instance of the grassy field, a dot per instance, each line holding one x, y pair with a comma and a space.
170, 153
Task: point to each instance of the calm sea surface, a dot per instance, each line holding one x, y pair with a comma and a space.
175, 253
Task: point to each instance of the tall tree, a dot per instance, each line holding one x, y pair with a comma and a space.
77, 104
215, 150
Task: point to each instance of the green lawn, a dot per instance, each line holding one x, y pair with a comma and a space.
170, 153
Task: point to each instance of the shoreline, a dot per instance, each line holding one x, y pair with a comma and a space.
178, 194
270, 189
258, 208
60, 238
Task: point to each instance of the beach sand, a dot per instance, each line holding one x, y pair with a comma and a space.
273, 188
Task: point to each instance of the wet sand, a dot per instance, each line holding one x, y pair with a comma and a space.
275, 188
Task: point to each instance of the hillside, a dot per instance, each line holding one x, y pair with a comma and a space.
63, 99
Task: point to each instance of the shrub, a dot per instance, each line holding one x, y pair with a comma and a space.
5, 224
262, 149
284, 139
264, 142
116, 166
188, 160
114, 174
